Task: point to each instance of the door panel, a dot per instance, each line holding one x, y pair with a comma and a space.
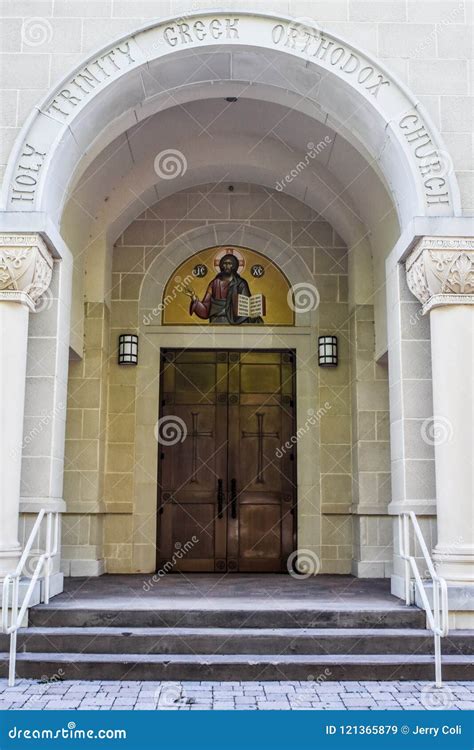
190, 468
259, 424
225, 484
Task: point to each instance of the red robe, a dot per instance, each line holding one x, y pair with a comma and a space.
218, 288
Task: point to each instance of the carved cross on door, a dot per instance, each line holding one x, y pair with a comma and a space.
260, 435
195, 434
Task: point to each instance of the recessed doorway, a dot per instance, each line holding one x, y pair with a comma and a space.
226, 489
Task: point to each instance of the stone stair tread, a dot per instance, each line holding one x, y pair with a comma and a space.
241, 666
251, 605
224, 639
228, 618
239, 658
346, 633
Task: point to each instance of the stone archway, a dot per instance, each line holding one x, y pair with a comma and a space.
73, 122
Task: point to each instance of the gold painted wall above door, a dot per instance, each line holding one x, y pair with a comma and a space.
198, 292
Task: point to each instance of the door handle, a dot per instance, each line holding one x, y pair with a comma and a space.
220, 498
233, 496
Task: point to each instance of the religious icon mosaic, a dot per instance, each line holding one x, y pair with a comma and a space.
228, 285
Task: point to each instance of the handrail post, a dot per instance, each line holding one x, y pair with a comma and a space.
12, 582
437, 638
14, 626
12, 665
406, 545
437, 616
48, 557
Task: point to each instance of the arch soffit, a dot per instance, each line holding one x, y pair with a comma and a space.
316, 187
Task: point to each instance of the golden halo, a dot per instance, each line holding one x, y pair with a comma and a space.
229, 251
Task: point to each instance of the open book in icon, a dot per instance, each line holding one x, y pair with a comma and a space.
251, 307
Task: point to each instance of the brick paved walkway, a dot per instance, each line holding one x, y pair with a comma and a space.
263, 696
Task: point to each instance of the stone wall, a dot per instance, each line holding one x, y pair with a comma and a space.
84, 466
372, 537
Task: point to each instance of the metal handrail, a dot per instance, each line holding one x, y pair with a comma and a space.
11, 583
438, 615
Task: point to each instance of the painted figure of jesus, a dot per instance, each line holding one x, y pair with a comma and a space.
220, 302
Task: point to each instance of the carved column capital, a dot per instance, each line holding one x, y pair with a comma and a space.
440, 271
26, 267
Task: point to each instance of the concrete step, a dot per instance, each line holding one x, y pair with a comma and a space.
309, 641
219, 617
229, 640
235, 667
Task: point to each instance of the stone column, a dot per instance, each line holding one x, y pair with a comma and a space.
25, 274
440, 273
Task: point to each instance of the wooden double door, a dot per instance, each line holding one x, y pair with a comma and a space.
226, 481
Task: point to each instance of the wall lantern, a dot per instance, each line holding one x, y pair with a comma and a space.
327, 351
128, 349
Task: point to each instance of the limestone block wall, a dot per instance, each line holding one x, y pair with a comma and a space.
84, 469
413, 426
372, 527
122, 452
330, 275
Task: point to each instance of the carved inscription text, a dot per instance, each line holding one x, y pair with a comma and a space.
427, 157
27, 174
182, 32
314, 45
81, 86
